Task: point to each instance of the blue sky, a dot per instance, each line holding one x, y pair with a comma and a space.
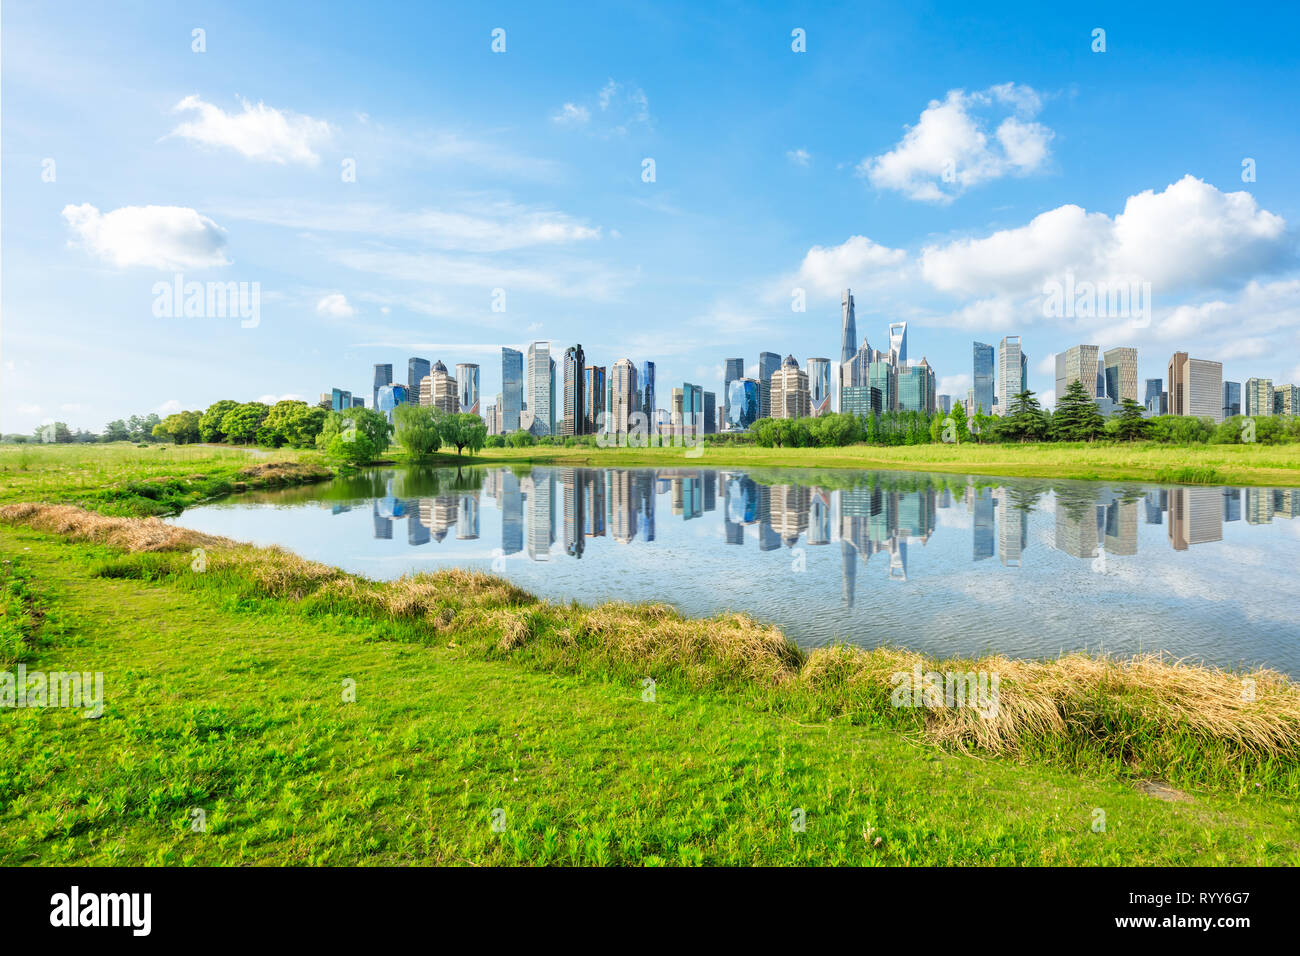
944, 163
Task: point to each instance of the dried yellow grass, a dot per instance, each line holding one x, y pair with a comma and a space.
128, 534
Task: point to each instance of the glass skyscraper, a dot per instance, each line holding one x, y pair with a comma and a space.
541, 388
512, 389
768, 363
574, 404
467, 382
984, 378
645, 386
1012, 371
742, 404
848, 328
1231, 399
819, 386
383, 376
734, 369
416, 370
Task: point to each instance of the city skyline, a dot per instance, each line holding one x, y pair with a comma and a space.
332, 195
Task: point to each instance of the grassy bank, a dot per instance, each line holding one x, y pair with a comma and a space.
472, 698
126, 479
1263, 465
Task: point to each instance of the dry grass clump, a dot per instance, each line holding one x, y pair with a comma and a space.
128, 534
284, 472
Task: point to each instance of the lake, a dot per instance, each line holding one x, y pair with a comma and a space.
944, 564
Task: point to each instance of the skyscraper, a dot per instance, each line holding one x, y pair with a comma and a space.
593, 389
622, 388
541, 388
916, 388
1286, 400
1012, 371
742, 403
467, 379
1078, 363
734, 369
819, 385
710, 416
645, 385
1231, 399
898, 342
512, 389
416, 369
439, 390
984, 378
768, 363
1121, 376
1196, 387
383, 376
848, 328
1154, 399
574, 398
789, 395
1259, 396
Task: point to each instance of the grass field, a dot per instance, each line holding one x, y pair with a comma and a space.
1268, 465
490, 728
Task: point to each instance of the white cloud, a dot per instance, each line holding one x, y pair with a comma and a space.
949, 150
572, 115
170, 407
800, 157
161, 237
955, 385
335, 306
828, 269
260, 132
272, 399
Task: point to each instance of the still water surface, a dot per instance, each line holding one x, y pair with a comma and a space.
943, 564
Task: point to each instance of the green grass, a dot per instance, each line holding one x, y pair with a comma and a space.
125, 479
1266, 465
235, 707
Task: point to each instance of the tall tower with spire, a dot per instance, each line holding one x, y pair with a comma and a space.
848, 327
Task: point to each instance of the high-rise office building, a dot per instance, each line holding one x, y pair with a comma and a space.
593, 390
916, 388
512, 389
883, 377
789, 396
390, 396
541, 388
819, 385
645, 383
734, 369
1155, 396
1078, 363
1013, 371
943, 403
340, 399
768, 363
1286, 400
710, 415
848, 328
1195, 387
467, 380
383, 376
742, 404
1231, 399
898, 342
1259, 396
860, 400
984, 378
622, 389
439, 390
416, 369
1121, 375
574, 398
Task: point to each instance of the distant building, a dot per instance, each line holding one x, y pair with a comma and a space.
383, 376
439, 390
1195, 387
1231, 399
574, 403
593, 389
512, 389
848, 327
819, 385
982, 357
768, 364
1259, 396
860, 400
1013, 374
1078, 363
742, 404
882, 375
943, 403
645, 384
1286, 400
467, 380
734, 369
416, 369
622, 389
1121, 374
789, 394
340, 399
898, 342
1155, 400
916, 388
390, 396
540, 394
710, 413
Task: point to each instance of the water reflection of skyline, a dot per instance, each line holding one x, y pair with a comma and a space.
553, 512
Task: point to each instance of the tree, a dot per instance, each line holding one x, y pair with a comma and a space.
464, 430
1132, 423
291, 422
241, 423
210, 423
116, 431
375, 425
341, 437
53, 432
1025, 419
418, 429
1077, 417
182, 428
521, 439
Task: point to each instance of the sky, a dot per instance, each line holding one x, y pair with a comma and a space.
658, 181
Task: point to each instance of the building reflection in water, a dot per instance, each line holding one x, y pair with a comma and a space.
546, 511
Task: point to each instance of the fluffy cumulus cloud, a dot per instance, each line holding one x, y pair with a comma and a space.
827, 269
160, 237
1189, 235
335, 306
952, 148
259, 132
